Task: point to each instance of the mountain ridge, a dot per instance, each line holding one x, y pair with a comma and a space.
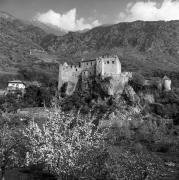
146, 47
49, 29
17, 39
155, 42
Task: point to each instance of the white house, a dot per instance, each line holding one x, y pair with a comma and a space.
16, 85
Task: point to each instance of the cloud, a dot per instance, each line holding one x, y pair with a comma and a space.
151, 11
67, 21
2, 2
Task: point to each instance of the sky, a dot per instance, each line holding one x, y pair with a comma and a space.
73, 15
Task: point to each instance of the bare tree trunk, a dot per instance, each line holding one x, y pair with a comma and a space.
2, 173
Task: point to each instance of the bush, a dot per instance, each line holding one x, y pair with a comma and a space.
137, 81
37, 97
36, 75
167, 104
124, 164
65, 148
71, 146
10, 102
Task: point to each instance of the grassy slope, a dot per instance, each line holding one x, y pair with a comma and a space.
17, 38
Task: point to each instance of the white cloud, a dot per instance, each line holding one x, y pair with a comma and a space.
67, 21
151, 11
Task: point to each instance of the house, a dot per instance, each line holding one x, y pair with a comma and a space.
15, 86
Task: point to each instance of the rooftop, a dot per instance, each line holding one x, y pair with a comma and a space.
16, 81
166, 78
89, 60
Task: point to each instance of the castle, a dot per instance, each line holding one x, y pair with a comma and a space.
105, 66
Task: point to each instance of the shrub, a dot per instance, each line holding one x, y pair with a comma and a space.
12, 150
10, 102
37, 97
137, 81
124, 164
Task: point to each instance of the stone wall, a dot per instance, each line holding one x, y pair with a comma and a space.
88, 68
99, 66
117, 83
89, 65
69, 73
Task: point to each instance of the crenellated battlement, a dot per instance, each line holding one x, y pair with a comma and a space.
71, 67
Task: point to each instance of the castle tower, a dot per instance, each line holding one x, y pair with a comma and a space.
167, 83
118, 64
108, 66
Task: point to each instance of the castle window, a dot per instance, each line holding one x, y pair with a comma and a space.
76, 69
113, 62
107, 62
87, 63
79, 66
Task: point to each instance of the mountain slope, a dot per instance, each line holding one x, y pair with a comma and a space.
148, 47
49, 29
140, 45
18, 40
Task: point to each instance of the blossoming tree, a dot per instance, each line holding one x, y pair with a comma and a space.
66, 143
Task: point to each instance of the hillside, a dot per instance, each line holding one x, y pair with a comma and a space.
49, 29
141, 45
17, 39
151, 48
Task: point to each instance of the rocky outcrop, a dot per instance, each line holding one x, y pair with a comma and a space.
104, 86
114, 85
131, 95
71, 86
149, 98
130, 117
